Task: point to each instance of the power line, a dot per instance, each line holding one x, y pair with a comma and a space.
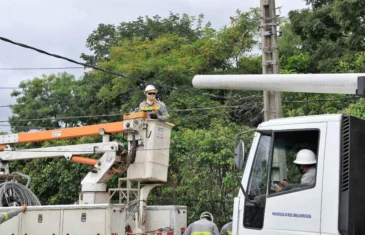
172, 111
123, 76
192, 109
117, 114
67, 117
244, 98
210, 108
54, 128
322, 100
44, 68
101, 69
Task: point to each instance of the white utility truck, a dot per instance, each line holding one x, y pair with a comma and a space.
335, 204
146, 160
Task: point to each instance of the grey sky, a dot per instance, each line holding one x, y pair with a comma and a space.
62, 27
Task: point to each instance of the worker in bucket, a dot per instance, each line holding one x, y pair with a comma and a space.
306, 162
5, 216
154, 108
227, 228
204, 226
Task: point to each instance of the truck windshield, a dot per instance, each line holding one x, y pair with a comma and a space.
258, 180
287, 175
254, 213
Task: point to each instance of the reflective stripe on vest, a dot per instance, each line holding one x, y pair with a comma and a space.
6, 216
153, 108
201, 233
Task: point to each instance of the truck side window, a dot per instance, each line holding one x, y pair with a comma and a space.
257, 186
294, 160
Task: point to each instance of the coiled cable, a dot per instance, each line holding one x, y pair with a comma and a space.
13, 193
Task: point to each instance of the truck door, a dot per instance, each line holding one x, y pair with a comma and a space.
285, 198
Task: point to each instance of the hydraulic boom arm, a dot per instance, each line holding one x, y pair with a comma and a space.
65, 133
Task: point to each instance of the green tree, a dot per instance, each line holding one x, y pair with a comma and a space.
169, 59
289, 43
350, 15
321, 36
317, 40
201, 174
107, 36
353, 64
43, 101
330, 31
239, 37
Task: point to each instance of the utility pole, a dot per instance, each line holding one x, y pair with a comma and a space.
270, 57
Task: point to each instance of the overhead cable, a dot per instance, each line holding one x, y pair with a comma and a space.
64, 118
100, 69
119, 114
177, 110
322, 100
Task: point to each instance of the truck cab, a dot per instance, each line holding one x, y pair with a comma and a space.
334, 204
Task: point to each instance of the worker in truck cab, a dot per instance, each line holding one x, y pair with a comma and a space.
154, 108
227, 228
306, 162
204, 226
4, 216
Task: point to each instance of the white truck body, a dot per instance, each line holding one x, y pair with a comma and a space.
310, 211
335, 204
97, 219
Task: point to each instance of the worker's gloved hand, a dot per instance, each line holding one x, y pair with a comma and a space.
153, 116
284, 183
23, 208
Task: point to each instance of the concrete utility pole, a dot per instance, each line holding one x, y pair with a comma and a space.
270, 57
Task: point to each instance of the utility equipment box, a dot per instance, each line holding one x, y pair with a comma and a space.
173, 217
152, 155
98, 219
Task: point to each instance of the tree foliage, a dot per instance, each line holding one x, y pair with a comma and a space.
201, 173
45, 100
107, 35
320, 40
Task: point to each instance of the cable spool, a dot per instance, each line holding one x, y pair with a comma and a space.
13, 193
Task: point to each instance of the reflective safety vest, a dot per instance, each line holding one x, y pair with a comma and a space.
202, 227
226, 229
157, 108
152, 108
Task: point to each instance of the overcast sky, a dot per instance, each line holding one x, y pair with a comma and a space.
61, 27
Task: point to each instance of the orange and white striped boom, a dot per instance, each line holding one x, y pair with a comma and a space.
68, 133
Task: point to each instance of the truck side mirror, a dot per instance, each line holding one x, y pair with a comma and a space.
239, 155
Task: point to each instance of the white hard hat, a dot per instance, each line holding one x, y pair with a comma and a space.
207, 215
150, 88
305, 157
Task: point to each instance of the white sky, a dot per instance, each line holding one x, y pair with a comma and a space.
61, 27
